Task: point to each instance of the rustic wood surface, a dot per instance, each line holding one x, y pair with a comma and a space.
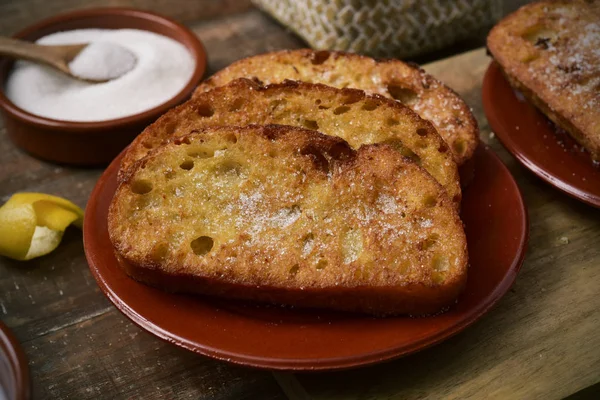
540, 341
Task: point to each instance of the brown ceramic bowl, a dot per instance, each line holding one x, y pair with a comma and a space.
92, 143
14, 374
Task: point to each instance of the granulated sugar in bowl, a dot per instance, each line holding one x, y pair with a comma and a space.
160, 70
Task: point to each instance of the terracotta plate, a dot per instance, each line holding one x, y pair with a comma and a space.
279, 338
534, 141
14, 373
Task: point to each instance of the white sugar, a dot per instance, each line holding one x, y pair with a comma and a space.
102, 61
285, 217
387, 204
162, 68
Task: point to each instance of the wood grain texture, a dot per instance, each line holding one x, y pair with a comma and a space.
17, 14
540, 342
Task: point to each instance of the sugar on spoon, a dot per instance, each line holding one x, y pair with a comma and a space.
91, 62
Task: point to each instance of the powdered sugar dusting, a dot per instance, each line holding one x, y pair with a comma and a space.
387, 204
572, 47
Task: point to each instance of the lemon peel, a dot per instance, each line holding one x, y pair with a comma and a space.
32, 224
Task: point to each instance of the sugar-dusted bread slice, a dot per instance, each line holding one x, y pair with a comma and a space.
407, 83
550, 51
348, 113
290, 216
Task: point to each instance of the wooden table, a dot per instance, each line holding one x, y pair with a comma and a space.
540, 341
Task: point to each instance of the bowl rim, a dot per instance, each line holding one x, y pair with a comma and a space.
192, 44
17, 363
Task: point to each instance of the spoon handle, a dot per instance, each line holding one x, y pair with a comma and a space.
54, 56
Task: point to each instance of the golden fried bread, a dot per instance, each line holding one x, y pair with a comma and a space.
348, 113
409, 84
549, 50
290, 216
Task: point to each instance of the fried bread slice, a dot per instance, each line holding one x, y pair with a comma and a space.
290, 216
406, 83
348, 113
549, 50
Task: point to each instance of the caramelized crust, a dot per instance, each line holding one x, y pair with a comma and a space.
290, 216
347, 113
394, 79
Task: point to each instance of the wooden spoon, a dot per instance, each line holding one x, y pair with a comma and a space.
57, 57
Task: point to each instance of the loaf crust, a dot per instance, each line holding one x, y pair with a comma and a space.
549, 50
407, 83
290, 216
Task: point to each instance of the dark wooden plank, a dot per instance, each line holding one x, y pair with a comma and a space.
17, 14
108, 357
242, 35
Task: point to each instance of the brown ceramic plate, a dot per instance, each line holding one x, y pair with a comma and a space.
288, 339
535, 142
14, 373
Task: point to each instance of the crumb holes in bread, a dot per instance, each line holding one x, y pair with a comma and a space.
237, 104
187, 165
395, 143
202, 245
159, 252
459, 146
341, 110
441, 265
443, 148
340, 151
408, 153
141, 186
231, 138
315, 155
422, 132
170, 127
205, 110
230, 167
430, 201
147, 145
321, 264
540, 36
310, 124
182, 140
169, 174
320, 57
200, 153
392, 122
294, 269
277, 104
273, 153
402, 94
352, 97
429, 242
369, 105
